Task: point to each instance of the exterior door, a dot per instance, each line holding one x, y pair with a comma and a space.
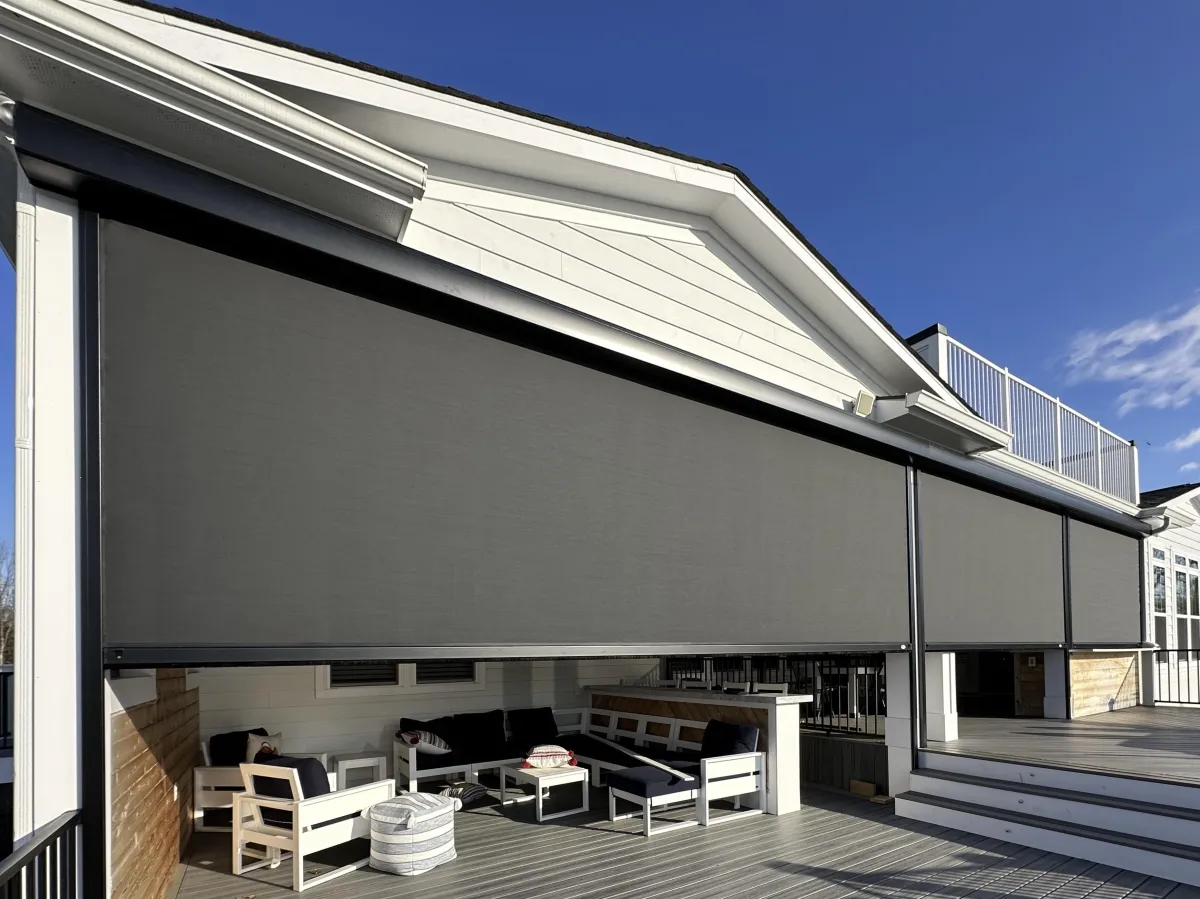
1029, 675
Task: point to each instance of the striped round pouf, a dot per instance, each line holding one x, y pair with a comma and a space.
412, 833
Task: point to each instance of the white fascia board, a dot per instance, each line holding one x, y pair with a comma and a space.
61, 32
459, 130
930, 417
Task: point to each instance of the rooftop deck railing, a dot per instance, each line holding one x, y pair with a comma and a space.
1045, 431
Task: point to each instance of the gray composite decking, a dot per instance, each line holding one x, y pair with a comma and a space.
1160, 742
836, 846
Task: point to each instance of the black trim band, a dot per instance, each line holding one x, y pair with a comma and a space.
916, 615
93, 729
1067, 626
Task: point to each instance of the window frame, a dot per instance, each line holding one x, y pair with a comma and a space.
406, 675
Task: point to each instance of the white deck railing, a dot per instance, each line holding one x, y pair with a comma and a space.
1044, 430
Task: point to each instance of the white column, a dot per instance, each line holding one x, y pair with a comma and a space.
941, 697
783, 758
1057, 701
46, 754
1147, 677
898, 724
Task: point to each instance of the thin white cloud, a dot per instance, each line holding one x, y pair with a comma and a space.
1190, 466
1185, 441
1157, 357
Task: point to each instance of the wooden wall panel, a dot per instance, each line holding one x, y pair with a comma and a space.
1103, 681
154, 748
831, 761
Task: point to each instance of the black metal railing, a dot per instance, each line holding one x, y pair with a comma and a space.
1177, 676
6, 707
45, 866
849, 693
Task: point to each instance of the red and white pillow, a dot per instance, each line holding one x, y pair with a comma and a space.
425, 741
549, 756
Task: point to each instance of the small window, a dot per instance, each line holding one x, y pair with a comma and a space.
445, 672
1181, 593
364, 674
1181, 560
1160, 554
1194, 564
1160, 589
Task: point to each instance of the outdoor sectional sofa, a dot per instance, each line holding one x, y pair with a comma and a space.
481, 741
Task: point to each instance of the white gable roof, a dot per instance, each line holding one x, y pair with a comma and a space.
827, 329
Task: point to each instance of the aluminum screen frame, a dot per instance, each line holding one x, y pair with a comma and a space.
991, 569
1106, 603
255, 470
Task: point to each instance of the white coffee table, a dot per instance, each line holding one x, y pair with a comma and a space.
343, 762
543, 779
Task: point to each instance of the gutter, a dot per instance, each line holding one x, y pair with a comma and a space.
69, 36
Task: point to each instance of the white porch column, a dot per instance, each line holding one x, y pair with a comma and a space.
941, 697
783, 771
897, 727
1057, 701
46, 752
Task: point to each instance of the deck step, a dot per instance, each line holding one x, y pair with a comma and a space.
1155, 858
1149, 820
1127, 787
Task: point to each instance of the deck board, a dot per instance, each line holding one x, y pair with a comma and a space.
837, 846
1160, 742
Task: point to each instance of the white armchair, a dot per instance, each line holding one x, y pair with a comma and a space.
317, 823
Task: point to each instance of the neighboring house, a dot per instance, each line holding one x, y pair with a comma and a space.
343, 396
1173, 612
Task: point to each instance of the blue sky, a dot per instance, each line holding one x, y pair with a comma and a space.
1024, 172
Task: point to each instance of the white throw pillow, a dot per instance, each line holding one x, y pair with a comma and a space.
425, 742
549, 756
256, 743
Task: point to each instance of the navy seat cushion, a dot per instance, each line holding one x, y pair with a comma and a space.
314, 781
428, 761
229, 749
481, 736
723, 738
532, 727
648, 781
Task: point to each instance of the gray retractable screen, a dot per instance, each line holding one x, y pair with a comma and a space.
287, 464
991, 568
1105, 598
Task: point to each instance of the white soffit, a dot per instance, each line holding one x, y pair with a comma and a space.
58, 58
433, 124
924, 415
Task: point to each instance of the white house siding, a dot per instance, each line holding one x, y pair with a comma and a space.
671, 277
285, 700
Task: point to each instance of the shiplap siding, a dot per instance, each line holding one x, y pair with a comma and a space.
1103, 682
682, 284
285, 700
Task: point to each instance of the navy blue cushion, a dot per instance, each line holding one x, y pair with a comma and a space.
723, 738
314, 781
229, 749
481, 736
648, 781
532, 727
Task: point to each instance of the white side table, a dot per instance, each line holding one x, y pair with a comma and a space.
543, 779
343, 762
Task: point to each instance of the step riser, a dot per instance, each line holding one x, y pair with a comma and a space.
1116, 787
1099, 851
1134, 823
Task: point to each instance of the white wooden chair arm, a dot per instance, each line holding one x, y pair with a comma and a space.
284, 805
364, 790
646, 760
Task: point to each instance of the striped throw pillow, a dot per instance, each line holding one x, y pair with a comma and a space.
549, 757
426, 742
